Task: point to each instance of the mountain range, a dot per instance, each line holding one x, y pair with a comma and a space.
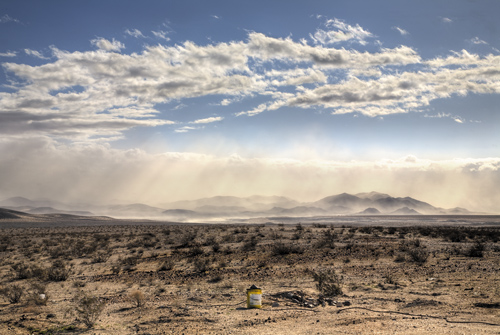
372, 203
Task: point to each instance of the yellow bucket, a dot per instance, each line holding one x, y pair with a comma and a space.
254, 297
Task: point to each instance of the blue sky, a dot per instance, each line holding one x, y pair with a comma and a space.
296, 98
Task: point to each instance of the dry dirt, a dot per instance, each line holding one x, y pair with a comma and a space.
192, 279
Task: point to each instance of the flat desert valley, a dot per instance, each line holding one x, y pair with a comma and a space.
63, 274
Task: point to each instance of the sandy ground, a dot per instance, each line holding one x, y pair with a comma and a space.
192, 279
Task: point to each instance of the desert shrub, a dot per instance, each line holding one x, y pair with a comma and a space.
476, 250
100, 257
167, 265
366, 230
391, 230
418, 255
327, 240
138, 298
202, 265
216, 247
279, 248
211, 240
12, 293
399, 258
328, 283
215, 279
38, 293
187, 239
22, 271
250, 244
390, 278
58, 271
195, 250
88, 309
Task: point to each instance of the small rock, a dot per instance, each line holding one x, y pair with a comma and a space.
347, 303
275, 304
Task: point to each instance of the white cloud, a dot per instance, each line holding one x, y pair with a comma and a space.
95, 93
185, 129
446, 20
134, 33
107, 45
161, 34
477, 40
208, 120
8, 54
215, 17
7, 18
257, 110
35, 53
401, 31
344, 32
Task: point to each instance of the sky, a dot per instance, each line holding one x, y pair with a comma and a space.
157, 101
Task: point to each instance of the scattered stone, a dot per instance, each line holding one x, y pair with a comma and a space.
275, 304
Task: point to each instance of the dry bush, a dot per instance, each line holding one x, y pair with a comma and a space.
328, 283
476, 250
202, 265
418, 255
38, 294
58, 271
138, 298
327, 240
250, 244
167, 265
195, 250
88, 309
13, 293
279, 248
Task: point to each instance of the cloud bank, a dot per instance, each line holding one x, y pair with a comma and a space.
41, 168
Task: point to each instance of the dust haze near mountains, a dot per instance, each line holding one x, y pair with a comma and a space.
98, 174
228, 207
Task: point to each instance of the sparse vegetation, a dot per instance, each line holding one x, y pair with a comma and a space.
138, 298
13, 293
183, 269
328, 283
88, 309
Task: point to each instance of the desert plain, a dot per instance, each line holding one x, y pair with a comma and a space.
343, 275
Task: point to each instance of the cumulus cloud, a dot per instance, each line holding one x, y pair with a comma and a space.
88, 94
344, 32
446, 20
107, 45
